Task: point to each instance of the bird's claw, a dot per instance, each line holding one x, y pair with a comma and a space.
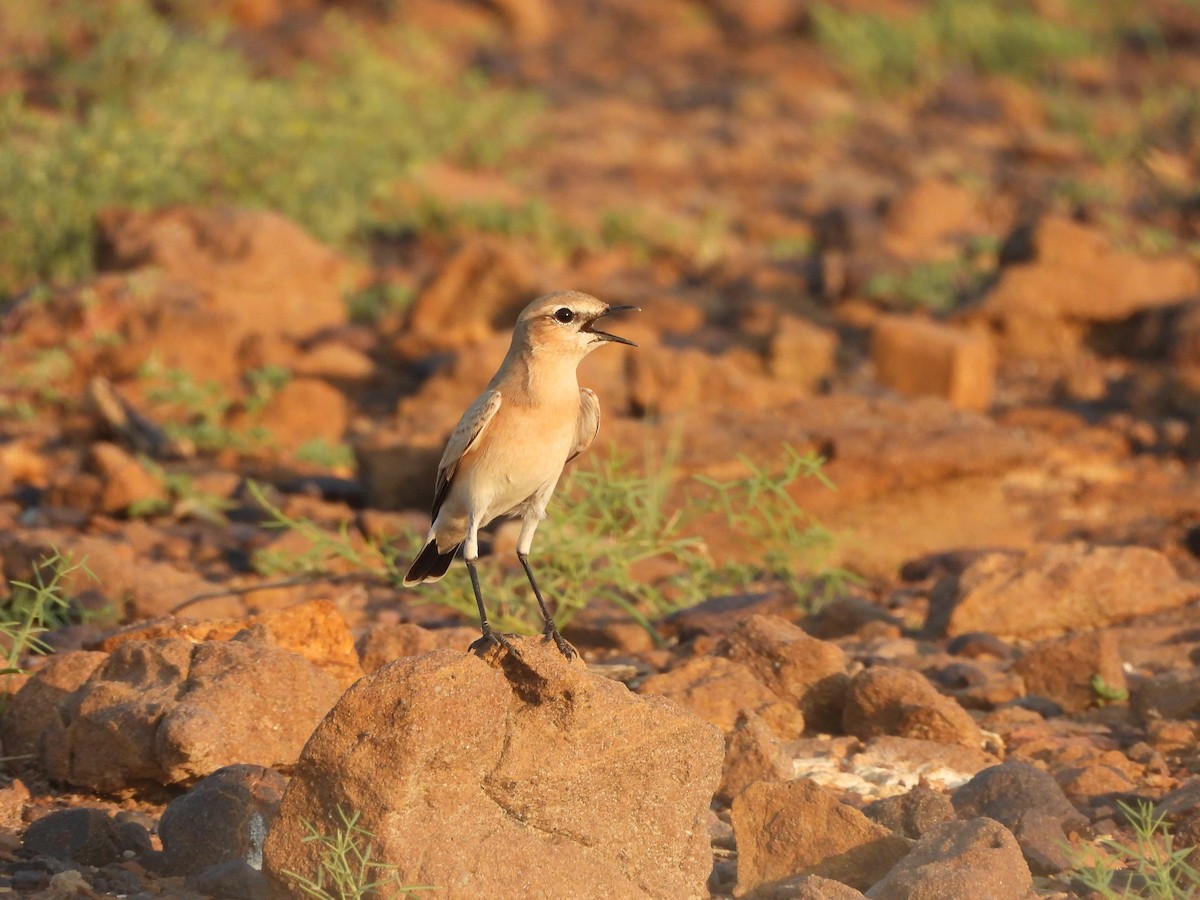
564, 647
489, 641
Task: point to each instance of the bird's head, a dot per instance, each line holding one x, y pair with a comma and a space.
566, 322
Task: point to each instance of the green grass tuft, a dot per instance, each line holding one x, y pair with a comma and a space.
37, 606
1149, 868
347, 868
887, 54
154, 114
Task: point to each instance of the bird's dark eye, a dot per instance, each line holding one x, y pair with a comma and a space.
564, 315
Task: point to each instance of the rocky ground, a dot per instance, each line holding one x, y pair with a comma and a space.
958, 664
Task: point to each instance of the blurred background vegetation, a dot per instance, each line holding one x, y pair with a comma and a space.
141, 103
131, 108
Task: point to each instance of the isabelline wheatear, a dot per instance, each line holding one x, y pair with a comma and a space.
506, 454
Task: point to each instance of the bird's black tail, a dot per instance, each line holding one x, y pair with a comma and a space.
430, 564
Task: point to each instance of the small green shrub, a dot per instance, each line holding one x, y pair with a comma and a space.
373, 303
37, 606
199, 410
321, 452
1150, 868
346, 867
184, 499
936, 286
792, 542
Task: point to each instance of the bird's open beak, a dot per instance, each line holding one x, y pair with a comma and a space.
604, 335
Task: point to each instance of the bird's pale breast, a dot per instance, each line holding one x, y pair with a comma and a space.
522, 454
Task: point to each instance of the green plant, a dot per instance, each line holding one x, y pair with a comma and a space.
533, 219
184, 500
265, 382
703, 237
888, 54
879, 54
321, 452
326, 550
346, 866
1154, 240
1150, 868
932, 285
154, 114
1105, 692
1128, 127
372, 303
1077, 192
37, 606
760, 507
204, 407
782, 249
45, 376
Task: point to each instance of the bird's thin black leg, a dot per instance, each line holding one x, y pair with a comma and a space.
490, 636
550, 630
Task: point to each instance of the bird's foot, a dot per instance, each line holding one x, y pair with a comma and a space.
552, 634
491, 639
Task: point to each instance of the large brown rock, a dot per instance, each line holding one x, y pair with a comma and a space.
313, 629
1054, 587
752, 753
912, 814
667, 379
381, 644
1069, 670
1169, 695
799, 828
85, 835
888, 700
1070, 271
929, 220
478, 290
318, 632
530, 21
720, 690
167, 711
38, 703
876, 445
514, 777
973, 860
260, 273
918, 357
800, 669
801, 353
306, 409
125, 481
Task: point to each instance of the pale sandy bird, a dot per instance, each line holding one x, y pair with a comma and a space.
509, 449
